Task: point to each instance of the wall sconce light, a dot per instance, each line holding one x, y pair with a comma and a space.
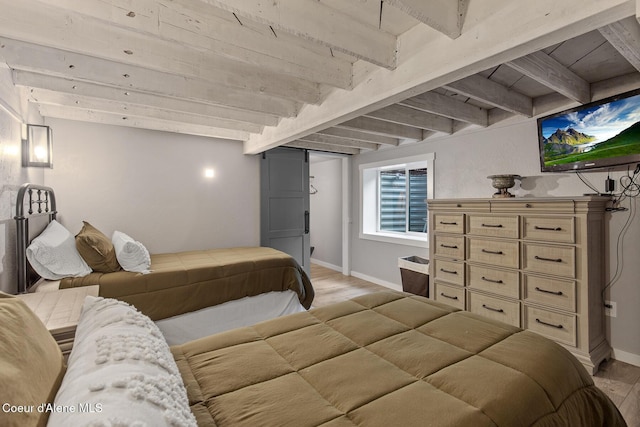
37, 147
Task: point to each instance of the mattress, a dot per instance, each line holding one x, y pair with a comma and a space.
188, 281
229, 315
388, 359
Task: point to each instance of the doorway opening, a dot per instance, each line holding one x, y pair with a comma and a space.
329, 189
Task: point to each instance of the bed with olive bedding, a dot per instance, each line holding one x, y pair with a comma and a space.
160, 285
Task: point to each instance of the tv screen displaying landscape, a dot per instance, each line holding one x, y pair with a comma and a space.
599, 134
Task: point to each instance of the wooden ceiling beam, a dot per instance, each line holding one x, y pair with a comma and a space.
555, 102
182, 90
360, 136
313, 20
624, 36
317, 146
176, 36
219, 31
116, 107
32, 57
446, 16
381, 127
549, 72
91, 116
343, 142
432, 102
492, 93
427, 61
411, 117
614, 86
47, 86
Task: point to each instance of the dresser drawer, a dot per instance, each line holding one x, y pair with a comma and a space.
495, 308
449, 271
450, 295
549, 229
550, 292
502, 253
493, 226
461, 205
448, 223
556, 260
449, 246
557, 326
501, 282
533, 205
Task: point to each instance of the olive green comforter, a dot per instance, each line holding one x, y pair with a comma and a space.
388, 359
187, 281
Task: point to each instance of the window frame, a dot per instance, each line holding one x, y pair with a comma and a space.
369, 200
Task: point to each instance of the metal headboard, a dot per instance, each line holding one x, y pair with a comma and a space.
40, 202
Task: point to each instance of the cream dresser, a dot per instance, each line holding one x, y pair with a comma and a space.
535, 263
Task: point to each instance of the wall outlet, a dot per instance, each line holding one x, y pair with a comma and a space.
610, 309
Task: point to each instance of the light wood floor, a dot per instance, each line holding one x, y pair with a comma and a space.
619, 380
332, 286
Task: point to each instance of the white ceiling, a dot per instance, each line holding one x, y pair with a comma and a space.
340, 76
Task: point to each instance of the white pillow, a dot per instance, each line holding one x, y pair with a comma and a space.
120, 372
53, 254
131, 255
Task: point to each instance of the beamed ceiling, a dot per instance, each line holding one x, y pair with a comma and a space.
342, 76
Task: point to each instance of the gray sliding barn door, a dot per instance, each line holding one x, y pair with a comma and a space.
284, 203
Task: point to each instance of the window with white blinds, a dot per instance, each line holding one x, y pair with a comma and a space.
393, 199
402, 200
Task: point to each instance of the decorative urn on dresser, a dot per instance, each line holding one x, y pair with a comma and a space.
535, 263
503, 183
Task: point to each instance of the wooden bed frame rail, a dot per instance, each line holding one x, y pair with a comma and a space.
30, 195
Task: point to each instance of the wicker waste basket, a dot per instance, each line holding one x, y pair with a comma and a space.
414, 272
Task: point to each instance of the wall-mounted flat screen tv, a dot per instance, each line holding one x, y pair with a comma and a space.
600, 134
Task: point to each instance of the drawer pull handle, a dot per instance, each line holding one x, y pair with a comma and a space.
492, 280
537, 227
528, 205
549, 324
492, 225
559, 293
449, 246
448, 296
548, 259
497, 310
487, 251
448, 223
448, 271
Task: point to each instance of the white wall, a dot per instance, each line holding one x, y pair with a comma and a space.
12, 174
462, 164
151, 185
326, 212
374, 260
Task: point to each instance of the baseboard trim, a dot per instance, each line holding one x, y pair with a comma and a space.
626, 357
326, 265
377, 281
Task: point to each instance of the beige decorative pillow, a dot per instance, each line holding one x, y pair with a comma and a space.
31, 365
96, 249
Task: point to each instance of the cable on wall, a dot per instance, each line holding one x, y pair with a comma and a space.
587, 183
630, 189
619, 245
